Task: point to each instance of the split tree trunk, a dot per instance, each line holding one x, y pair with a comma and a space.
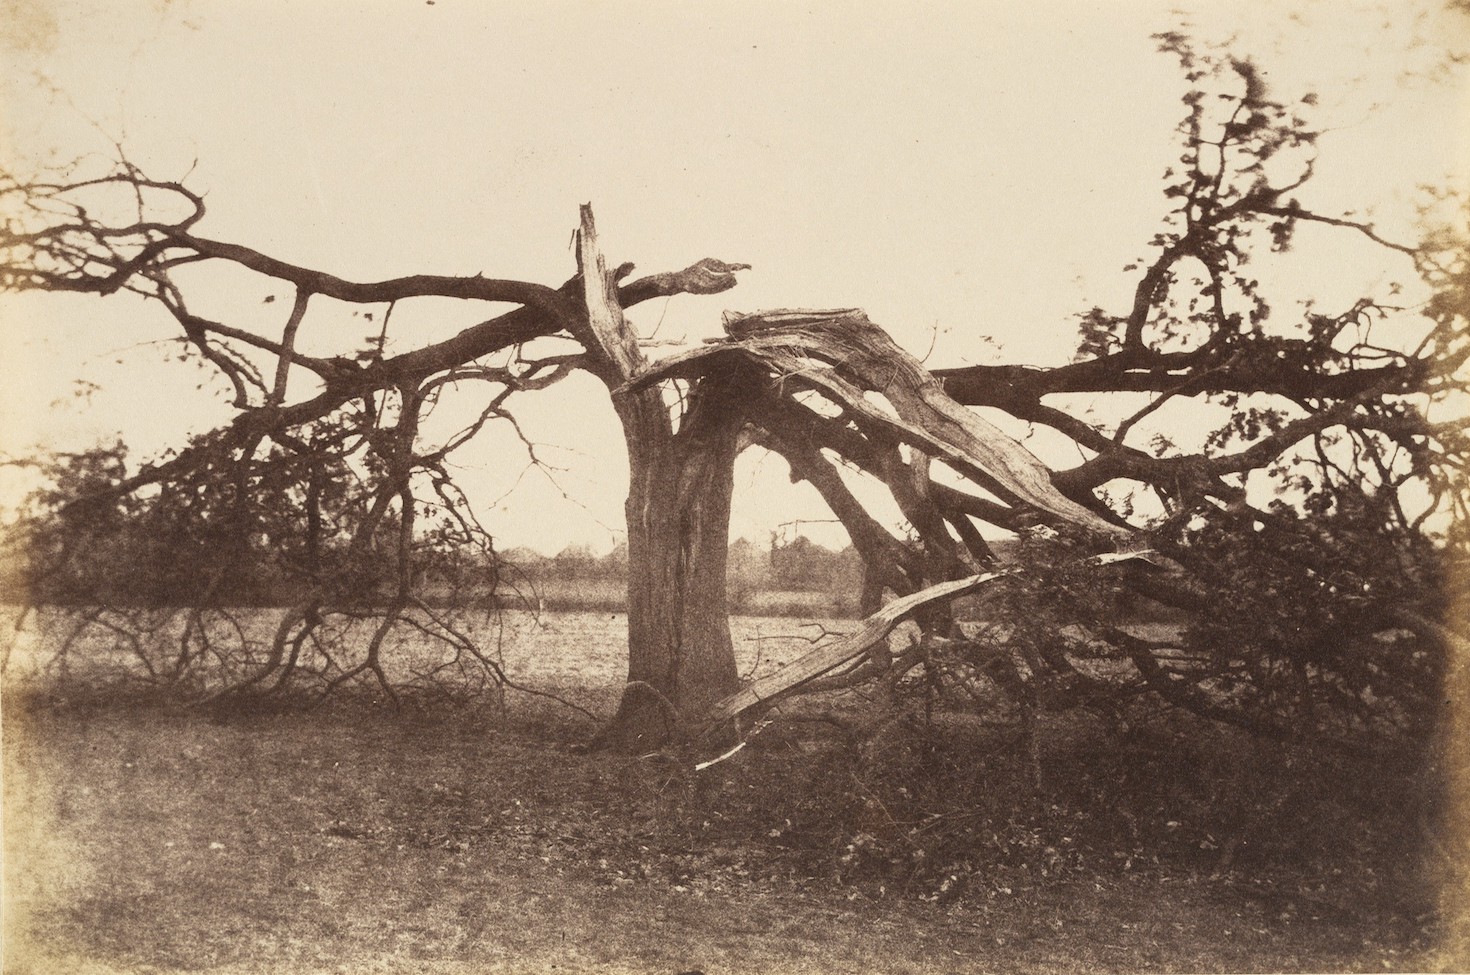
680, 657
681, 661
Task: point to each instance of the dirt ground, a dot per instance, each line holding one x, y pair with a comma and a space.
158, 840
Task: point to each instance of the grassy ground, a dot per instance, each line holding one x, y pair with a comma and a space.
574, 595
345, 840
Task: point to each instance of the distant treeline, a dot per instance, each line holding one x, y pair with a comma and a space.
795, 578
134, 563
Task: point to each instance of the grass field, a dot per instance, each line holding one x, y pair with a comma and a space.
579, 595
141, 837
550, 649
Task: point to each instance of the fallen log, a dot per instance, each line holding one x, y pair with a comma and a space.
767, 691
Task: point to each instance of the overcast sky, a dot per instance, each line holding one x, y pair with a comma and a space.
957, 169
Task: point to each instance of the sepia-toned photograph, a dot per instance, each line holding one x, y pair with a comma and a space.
757, 486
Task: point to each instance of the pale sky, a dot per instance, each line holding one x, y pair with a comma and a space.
957, 169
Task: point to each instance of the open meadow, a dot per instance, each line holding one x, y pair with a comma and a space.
142, 835
548, 650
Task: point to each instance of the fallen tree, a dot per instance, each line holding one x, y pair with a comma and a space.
1311, 513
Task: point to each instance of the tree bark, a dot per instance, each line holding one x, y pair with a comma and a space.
680, 656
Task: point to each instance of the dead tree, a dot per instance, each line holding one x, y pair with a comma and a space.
1326, 483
